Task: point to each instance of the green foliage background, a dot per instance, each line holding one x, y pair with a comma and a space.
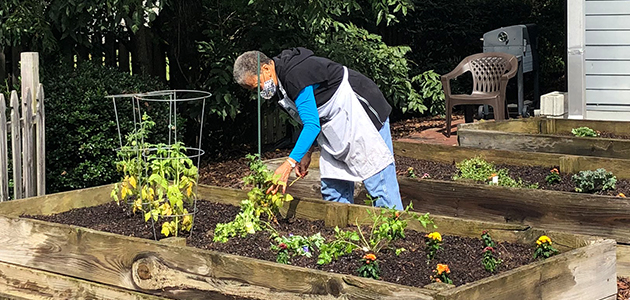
396, 43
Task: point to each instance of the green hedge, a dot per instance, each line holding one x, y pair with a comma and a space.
81, 125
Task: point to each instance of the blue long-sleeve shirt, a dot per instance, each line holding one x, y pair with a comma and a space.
307, 109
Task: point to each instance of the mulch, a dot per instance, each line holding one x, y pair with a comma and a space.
463, 255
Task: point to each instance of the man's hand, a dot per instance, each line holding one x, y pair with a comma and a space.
301, 169
282, 174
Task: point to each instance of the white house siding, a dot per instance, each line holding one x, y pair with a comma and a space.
607, 59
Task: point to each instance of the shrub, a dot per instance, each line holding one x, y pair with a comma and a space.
81, 124
593, 181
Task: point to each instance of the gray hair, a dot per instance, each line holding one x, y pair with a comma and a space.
246, 65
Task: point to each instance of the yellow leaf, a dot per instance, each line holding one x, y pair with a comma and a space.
189, 189
145, 195
288, 197
124, 191
133, 182
166, 229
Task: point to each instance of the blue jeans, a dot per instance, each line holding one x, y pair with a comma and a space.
383, 186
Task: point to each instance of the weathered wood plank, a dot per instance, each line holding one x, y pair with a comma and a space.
4, 154
585, 273
612, 148
29, 70
623, 260
572, 212
16, 146
27, 146
40, 140
567, 163
173, 271
58, 202
27, 283
618, 127
527, 125
450, 154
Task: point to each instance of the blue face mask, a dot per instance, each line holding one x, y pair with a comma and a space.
269, 89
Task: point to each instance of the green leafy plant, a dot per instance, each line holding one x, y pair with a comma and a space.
433, 242
480, 170
489, 261
487, 239
544, 248
369, 267
295, 245
431, 91
258, 204
157, 182
387, 225
442, 274
553, 177
593, 181
584, 132
411, 172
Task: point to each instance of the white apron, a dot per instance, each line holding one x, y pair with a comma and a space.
351, 147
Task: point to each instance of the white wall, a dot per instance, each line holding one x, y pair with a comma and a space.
606, 59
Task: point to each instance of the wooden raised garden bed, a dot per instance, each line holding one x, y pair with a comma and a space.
579, 213
584, 269
548, 135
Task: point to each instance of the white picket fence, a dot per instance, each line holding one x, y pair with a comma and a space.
26, 128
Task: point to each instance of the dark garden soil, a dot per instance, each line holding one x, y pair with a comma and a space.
530, 174
463, 255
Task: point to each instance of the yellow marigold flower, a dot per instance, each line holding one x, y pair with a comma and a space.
435, 236
442, 268
543, 239
369, 256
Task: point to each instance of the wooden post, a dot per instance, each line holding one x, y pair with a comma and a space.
30, 82
30, 75
4, 157
16, 147
27, 146
40, 142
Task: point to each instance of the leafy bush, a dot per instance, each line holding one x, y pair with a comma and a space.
81, 124
584, 131
593, 181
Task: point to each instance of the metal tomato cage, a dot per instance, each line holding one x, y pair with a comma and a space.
155, 103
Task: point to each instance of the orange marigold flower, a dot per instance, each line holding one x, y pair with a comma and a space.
554, 170
442, 268
397, 214
493, 175
621, 195
369, 256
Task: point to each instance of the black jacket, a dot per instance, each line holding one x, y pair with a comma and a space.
298, 68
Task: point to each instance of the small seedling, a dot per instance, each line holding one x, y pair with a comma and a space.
433, 241
553, 177
544, 248
441, 274
369, 268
